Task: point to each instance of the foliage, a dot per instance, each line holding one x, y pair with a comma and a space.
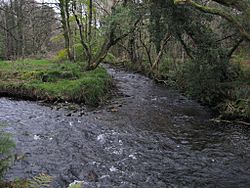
110, 57
188, 43
39, 181
121, 18
6, 145
78, 52
61, 56
25, 28
238, 104
205, 81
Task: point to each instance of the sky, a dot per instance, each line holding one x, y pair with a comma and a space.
46, 1
49, 1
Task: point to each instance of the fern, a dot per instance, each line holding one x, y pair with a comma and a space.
40, 181
6, 144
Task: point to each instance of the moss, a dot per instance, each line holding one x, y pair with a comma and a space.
45, 80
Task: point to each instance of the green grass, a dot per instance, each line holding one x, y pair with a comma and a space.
45, 80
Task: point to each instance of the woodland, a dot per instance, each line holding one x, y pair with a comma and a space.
54, 50
200, 47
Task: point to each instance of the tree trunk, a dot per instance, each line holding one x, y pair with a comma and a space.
93, 64
63, 5
164, 41
90, 20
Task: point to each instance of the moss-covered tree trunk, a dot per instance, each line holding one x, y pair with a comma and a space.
64, 12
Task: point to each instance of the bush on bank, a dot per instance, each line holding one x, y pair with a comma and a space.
223, 86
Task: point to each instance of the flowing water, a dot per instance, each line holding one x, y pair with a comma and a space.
150, 136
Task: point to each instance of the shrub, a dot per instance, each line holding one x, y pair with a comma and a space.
209, 80
238, 105
61, 56
110, 58
6, 144
79, 56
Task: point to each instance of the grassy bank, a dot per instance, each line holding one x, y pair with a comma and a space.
45, 80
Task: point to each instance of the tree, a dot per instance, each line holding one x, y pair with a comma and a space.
25, 28
241, 6
65, 16
112, 34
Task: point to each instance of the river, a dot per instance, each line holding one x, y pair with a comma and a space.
148, 136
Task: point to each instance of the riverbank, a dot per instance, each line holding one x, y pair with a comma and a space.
234, 96
53, 82
150, 136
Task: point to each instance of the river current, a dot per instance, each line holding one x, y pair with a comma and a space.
149, 136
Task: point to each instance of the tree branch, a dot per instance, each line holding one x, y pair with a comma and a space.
234, 48
232, 19
84, 45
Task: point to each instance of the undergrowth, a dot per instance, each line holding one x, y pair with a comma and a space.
6, 146
223, 86
39, 181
